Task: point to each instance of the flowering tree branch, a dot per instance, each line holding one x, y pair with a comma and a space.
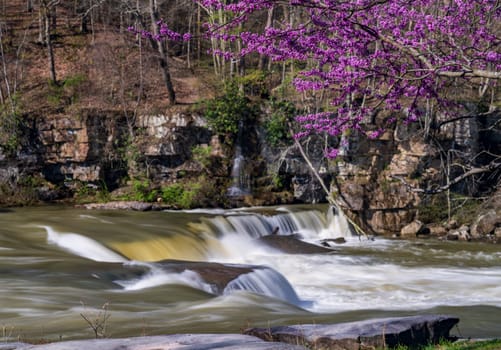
391, 54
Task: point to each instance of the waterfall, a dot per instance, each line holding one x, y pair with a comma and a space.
265, 282
310, 224
241, 180
82, 246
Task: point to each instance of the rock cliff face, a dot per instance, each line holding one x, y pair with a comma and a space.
372, 178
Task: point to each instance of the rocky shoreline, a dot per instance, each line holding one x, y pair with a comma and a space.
412, 331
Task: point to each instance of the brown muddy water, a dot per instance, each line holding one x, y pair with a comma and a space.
59, 265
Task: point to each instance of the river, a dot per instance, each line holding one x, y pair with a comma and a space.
60, 266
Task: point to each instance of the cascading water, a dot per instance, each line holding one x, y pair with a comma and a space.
58, 263
240, 179
227, 238
267, 282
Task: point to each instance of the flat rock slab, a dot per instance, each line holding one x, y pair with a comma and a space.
122, 205
169, 342
292, 245
380, 333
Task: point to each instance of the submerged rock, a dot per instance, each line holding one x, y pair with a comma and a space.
215, 274
292, 245
380, 333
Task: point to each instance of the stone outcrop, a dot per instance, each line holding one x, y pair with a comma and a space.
377, 333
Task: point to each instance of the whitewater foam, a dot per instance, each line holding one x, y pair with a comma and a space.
82, 246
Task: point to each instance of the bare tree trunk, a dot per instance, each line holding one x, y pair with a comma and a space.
50, 49
47, 14
162, 52
269, 19
41, 24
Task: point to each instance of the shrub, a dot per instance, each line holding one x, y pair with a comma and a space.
277, 124
143, 192
224, 113
171, 194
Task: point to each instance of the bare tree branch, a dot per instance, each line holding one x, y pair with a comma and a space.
495, 164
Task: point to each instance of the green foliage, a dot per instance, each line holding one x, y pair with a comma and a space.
434, 208
181, 197
202, 155
171, 194
493, 344
10, 126
277, 125
87, 192
143, 192
225, 112
66, 92
277, 181
254, 83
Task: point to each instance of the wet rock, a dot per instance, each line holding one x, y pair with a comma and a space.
292, 245
438, 230
215, 274
497, 232
452, 225
329, 241
380, 333
412, 229
169, 342
424, 232
461, 234
485, 224
120, 205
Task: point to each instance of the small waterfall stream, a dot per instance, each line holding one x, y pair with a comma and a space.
241, 184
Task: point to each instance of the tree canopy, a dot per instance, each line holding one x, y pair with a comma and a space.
372, 54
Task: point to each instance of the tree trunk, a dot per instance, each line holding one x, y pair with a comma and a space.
269, 19
50, 49
162, 52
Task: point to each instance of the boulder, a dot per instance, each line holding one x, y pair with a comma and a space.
169, 342
292, 245
438, 230
217, 275
485, 224
412, 331
497, 232
329, 241
412, 229
461, 234
452, 225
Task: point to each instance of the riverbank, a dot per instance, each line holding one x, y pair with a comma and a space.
414, 331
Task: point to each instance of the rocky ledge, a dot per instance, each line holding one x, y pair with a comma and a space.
123, 205
411, 331
376, 333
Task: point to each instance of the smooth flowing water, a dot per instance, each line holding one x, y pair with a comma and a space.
59, 265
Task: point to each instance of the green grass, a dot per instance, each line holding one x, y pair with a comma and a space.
494, 344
